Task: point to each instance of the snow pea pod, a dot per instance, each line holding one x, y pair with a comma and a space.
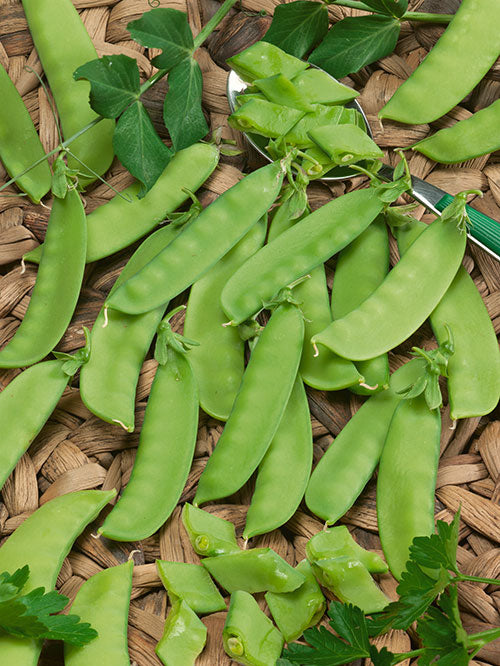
469, 46
217, 229
63, 44
57, 286
103, 600
209, 535
263, 59
192, 584
256, 414
184, 637
219, 361
20, 145
42, 541
297, 251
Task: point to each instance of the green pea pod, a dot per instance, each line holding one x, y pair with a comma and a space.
264, 59
256, 414
296, 611
338, 542
42, 542
218, 363
320, 88
350, 460
63, 44
20, 145
298, 135
289, 455
192, 584
103, 600
407, 480
125, 219
361, 267
208, 534
201, 244
474, 368
184, 637
406, 297
57, 286
346, 143
280, 90
254, 570
264, 118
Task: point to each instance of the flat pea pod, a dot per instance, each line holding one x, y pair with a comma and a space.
184, 637
474, 368
209, 535
407, 480
20, 145
57, 286
256, 413
404, 300
297, 251
264, 118
219, 361
122, 221
42, 542
63, 44
264, 59
201, 244
192, 584
469, 46
466, 139
284, 471
103, 600
361, 267
351, 458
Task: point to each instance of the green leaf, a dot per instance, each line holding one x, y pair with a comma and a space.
114, 83
394, 8
382, 657
138, 146
326, 650
298, 26
442, 633
182, 111
349, 622
355, 42
12, 584
165, 29
438, 550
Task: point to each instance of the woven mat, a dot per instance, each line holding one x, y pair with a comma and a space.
76, 451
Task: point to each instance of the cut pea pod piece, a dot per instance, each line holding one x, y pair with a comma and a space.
246, 97
262, 60
296, 611
316, 163
254, 570
190, 583
280, 90
338, 542
321, 88
184, 637
321, 115
345, 144
103, 601
209, 535
264, 118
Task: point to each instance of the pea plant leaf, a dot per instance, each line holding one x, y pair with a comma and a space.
298, 26
165, 29
182, 111
114, 83
138, 146
394, 8
355, 42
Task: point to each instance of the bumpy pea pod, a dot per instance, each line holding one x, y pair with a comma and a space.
209, 535
125, 219
42, 542
57, 286
361, 268
219, 360
166, 444
474, 368
184, 637
469, 46
103, 600
20, 145
257, 413
219, 227
63, 44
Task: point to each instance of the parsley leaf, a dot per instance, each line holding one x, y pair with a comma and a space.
298, 26
442, 633
438, 550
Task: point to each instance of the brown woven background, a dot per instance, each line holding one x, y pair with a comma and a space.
76, 451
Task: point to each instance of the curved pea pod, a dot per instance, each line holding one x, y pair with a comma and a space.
309, 243
122, 221
351, 458
256, 414
20, 145
469, 46
361, 267
219, 360
57, 286
254, 570
404, 300
295, 611
338, 542
407, 480
184, 637
190, 583
264, 59
289, 456
208, 534
63, 44
474, 368
103, 600
201, 244
42, 541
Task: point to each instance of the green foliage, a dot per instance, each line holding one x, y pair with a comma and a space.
394, 8
298, 26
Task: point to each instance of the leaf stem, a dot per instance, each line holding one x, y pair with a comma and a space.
213, 23
476, 579
482, 638
423, 17
402, 656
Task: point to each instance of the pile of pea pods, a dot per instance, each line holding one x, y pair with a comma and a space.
256, 248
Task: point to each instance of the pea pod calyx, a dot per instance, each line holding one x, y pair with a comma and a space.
73, 362
168, 340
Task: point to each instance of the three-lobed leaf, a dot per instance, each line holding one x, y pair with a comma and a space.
298, 26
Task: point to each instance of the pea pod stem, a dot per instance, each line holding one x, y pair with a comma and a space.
423, 17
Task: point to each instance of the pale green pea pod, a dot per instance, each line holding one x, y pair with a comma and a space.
338, 542
280, 90
263, 59
246, 97
208, 534
320, 88
184, 637
322, 115
190, 583
345, 144
264, 118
